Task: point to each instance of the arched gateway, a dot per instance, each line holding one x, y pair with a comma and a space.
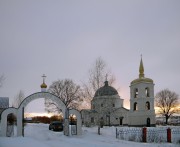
19, 113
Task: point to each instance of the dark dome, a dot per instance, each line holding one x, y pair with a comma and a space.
106, 90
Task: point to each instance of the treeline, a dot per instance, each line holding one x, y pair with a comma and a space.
44, 119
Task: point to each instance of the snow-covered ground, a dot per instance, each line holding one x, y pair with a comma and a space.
38, 135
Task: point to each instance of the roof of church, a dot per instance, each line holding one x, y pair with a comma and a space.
4, 102
122, 108
141, 78
106, 90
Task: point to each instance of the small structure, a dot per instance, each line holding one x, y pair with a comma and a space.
4, 103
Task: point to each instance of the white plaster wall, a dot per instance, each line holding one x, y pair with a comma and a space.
139, 117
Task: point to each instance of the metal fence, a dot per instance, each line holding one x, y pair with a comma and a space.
130, 134
152, 134
175, 132
157, 135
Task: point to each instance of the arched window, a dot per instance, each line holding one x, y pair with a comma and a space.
148, 122
147, 106
92, 119
135, 106
135, 93
147, 91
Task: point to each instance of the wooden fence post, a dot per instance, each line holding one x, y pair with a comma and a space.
99, 130
116, 133
169, 135
144, 131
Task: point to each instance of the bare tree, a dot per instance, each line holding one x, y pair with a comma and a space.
18, 99
98, 74
67, 91
167, 102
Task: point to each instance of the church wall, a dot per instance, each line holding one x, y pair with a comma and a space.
141, 120
106, 103
141, 99
120, 113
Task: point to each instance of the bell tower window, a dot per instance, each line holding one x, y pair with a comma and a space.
147, 106
136, 93
135, 106
147, 91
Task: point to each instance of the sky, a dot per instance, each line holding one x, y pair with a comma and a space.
62, 39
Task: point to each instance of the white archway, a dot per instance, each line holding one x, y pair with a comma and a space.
20, 113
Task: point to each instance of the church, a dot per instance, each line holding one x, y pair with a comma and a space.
107, 106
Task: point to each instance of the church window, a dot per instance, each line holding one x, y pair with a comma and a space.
147, 91
136, 93
101, 105
147, 106
148, 122
92, 119
135, 106
113, 105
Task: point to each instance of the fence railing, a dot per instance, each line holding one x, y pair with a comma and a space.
151, 134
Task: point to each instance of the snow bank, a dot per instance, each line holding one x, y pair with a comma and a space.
38, 135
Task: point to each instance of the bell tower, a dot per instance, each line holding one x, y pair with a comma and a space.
142, 111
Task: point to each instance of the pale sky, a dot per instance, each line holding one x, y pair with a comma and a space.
62, 39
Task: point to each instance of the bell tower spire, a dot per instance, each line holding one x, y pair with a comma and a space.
141, 69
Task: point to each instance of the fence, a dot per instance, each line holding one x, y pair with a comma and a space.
152, 134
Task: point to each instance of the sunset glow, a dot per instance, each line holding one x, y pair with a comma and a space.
37, 114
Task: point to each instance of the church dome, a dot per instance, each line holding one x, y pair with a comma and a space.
106, 90
43, 85
146, 80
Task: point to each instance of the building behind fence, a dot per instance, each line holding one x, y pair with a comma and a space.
107, 106
158, 134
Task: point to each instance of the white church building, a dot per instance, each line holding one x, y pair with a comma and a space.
107, 106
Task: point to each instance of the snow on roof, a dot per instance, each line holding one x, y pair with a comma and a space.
4, 102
